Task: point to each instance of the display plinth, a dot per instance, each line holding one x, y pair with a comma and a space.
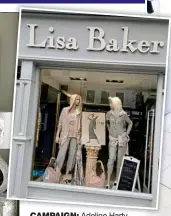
91, 160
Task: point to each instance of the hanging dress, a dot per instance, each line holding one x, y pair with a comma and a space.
92, 126
78, 172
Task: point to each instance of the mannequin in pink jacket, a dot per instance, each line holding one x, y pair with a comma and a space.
69, 133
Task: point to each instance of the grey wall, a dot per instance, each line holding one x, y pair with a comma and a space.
5, 154
8, 44
7, 117
74, 26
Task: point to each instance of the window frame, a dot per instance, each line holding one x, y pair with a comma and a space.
22, 150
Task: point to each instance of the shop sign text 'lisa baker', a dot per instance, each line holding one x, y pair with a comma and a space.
96, 41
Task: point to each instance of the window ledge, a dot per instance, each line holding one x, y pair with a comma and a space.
87, 196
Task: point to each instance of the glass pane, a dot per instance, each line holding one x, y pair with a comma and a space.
59, 159
104, 97
90, 96
120, 95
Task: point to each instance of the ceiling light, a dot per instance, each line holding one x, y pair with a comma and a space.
77, 79
114, 81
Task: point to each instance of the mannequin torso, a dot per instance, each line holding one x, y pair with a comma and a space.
69, 124
117, 123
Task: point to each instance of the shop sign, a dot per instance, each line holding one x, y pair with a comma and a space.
96, 41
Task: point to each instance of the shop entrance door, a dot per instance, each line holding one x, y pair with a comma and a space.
47, 115
150, 167
148, 157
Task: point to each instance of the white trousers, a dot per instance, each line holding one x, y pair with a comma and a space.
117, 150
71, 144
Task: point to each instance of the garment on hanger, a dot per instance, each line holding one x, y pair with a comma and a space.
78, 172
92, 126
38, 126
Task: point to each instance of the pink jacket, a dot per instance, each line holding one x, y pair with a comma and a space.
64, 129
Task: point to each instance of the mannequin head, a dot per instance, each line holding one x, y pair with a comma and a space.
76, 102
115, 104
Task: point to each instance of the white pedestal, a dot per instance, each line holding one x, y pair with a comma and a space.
91, 159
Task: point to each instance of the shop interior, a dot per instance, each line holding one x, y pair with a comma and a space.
137, 93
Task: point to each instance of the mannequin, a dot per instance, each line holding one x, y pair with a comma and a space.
119, 126
69, 133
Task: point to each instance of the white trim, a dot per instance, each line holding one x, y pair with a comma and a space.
39, 10
164, 91
88, 61
159, 116
87, 196
21, 138
55, 192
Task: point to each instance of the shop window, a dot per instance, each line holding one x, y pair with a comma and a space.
96, 121
121, 96
63, 96
139, 100
90, 96
104, 97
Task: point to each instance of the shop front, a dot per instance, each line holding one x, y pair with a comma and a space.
110, 70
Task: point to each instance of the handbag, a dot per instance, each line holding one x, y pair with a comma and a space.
95, 180
51, 174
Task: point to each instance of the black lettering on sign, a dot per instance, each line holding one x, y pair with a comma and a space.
127, 175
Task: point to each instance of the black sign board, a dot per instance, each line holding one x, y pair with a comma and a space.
128, 174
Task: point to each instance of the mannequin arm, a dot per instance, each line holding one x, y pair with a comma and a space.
128, 120
107, 121
107, 124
